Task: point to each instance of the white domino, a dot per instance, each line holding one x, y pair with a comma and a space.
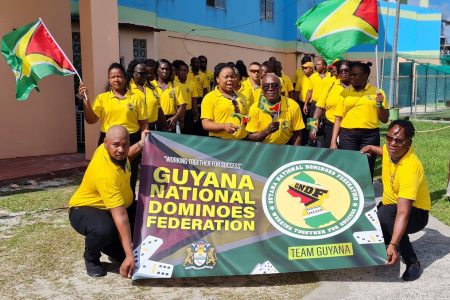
146, 249
154, 269
373, 218
264, 268
369, 237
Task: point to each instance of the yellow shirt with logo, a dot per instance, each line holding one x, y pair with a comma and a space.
303, 85
200, 81
105, 185
290, 120
170, 98
359, 109
126, 112
151, 99
405, 179
189, 91
209, 77
330, 99
220, 109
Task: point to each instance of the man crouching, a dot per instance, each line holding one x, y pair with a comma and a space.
103, 208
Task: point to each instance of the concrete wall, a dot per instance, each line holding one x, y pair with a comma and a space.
126, 37
172, 45
45, 123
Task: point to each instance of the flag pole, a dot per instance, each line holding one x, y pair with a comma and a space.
64, 53
376, 67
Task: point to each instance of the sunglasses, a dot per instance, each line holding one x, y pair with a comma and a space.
344, 70
268, 86
398, 141
254, 71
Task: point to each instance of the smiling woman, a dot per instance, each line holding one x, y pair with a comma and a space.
119, 105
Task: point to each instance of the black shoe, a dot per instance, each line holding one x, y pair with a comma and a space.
412, 272
94, 269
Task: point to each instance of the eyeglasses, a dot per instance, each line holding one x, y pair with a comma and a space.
254, 71
267, 86
344, 70
398, 141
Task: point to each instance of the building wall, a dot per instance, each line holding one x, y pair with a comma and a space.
45, 123
126, 37
173, 45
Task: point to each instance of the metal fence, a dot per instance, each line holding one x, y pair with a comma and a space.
420, 89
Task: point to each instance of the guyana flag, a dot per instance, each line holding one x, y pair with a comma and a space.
33, 54
334, 26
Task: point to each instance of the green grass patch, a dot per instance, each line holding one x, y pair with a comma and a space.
35, 200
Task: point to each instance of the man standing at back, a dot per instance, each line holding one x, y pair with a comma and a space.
406, 199
204, 69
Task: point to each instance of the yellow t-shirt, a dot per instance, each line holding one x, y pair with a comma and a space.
126, 112
189, 91
290, 120
286, 84
151, 99
209, 78
318, 84
170, 98
405, 179
247, 92
298, 75
105, 185
303, 85
200, 81
220, 110
330, 99
359, 109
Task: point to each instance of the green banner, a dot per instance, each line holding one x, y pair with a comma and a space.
213, 207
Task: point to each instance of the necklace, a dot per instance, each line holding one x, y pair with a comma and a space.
392, 175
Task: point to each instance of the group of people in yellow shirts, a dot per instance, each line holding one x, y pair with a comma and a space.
328, 106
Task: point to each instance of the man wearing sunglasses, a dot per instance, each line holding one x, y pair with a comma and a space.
274, 118
406, 199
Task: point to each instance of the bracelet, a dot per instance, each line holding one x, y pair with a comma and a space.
395, 245
140, 145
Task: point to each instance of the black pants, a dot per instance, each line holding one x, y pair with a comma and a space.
304, 132
327, 132
418, 219
134, 138
357, 138
188, 127
97, 225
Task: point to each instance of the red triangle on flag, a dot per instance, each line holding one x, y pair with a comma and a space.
43, 43
368, 11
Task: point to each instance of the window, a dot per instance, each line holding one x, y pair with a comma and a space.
216, 3
139, 49
266, 10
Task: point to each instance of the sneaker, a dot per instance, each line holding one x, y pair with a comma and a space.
412, 272
94, 269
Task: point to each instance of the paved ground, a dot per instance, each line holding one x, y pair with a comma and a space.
14, 169
432, 246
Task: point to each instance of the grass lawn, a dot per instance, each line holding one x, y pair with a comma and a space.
432, 144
